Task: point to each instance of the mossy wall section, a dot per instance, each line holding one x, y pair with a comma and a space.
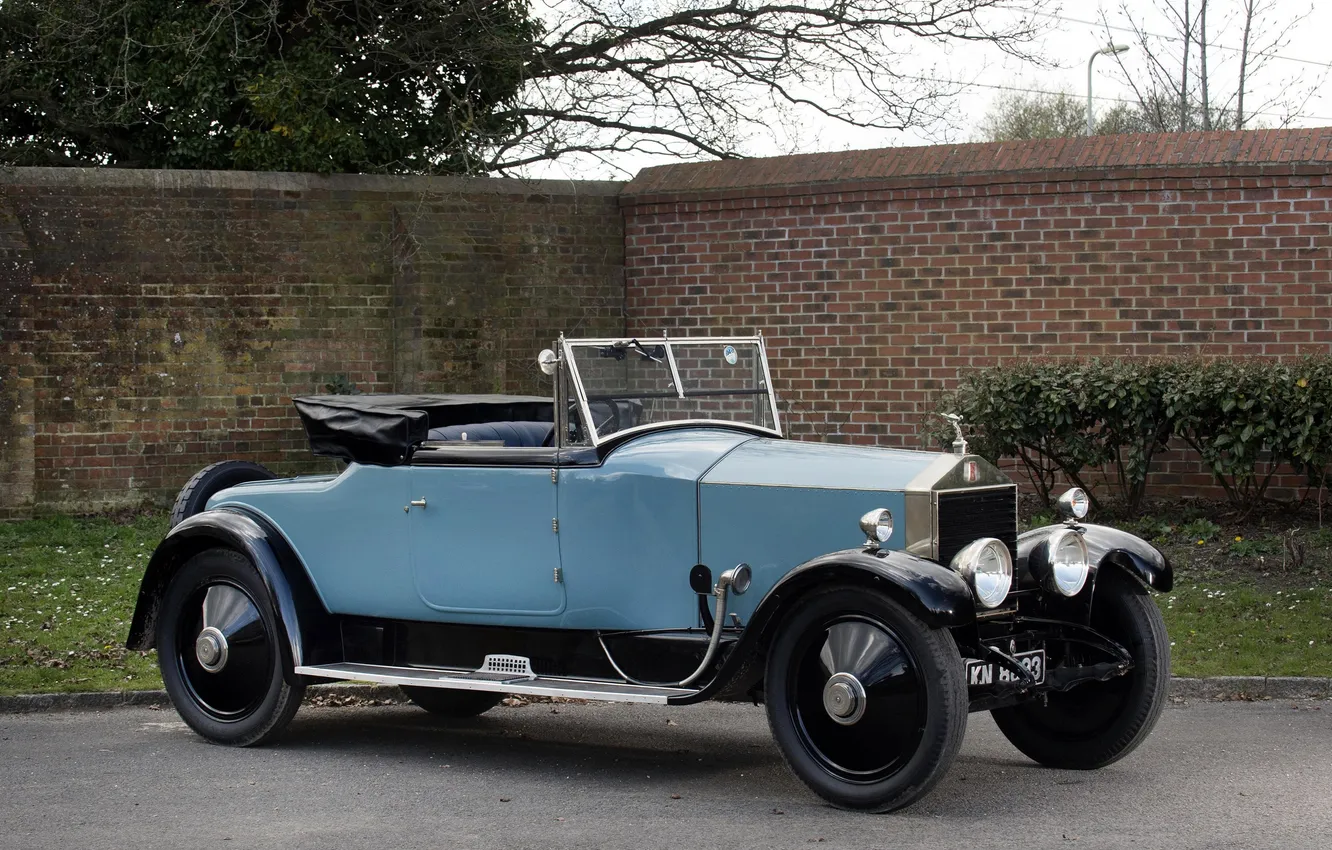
157, 321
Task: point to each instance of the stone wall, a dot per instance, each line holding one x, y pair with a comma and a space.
155, 322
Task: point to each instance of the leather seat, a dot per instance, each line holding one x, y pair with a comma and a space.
513, 434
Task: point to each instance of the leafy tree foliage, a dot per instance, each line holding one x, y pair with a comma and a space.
460, 85
286, 85
1044, 115
1016, 117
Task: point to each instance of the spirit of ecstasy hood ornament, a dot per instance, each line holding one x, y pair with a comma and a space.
960, 444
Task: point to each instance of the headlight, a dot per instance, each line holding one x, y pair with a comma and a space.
1074, 504
987, 564
878, 526
1061, 563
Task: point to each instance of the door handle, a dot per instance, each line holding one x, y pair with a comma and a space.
416, 503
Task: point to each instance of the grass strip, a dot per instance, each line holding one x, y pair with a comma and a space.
67, 592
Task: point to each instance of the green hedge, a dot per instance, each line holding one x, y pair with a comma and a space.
1245, 418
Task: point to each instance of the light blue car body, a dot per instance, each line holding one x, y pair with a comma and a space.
582, 546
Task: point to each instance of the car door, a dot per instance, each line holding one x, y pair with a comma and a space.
483, 540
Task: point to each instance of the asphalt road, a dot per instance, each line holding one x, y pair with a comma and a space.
1214, 775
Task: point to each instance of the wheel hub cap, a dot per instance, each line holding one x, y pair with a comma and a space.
844, 698
211, 649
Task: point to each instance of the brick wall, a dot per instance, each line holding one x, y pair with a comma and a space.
157, 321
879, 276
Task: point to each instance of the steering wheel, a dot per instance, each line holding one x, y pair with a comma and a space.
613, 420
609, 424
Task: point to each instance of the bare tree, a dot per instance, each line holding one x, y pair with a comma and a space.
682, 78
1180, 79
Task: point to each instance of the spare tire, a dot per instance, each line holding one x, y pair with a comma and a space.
210, 480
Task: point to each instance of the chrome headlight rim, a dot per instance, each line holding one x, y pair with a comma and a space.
989, 587
1058, 578
878, 527
1073, 504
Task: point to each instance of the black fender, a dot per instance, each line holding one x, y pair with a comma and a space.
311, 632
1109, 547
937, 595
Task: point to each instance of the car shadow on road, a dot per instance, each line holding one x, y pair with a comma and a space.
622, 746
519, 739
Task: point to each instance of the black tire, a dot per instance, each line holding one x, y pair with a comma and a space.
1098, 723
450, 703
211, 479
915, 704
247, 700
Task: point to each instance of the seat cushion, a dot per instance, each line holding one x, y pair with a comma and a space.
513, 434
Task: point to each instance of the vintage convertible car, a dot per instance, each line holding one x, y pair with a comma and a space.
647, 535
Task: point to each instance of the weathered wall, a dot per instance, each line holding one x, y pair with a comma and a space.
157, 321
16, 403
879, 276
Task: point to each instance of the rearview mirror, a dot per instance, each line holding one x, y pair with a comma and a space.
548, 362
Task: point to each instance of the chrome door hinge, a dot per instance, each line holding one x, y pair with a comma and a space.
555, 525
559, 576
554, 476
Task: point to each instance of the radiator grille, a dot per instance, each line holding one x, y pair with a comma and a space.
965, 516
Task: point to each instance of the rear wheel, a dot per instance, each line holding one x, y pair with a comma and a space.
866, 702
452, 703
220, 651
1097, 723
207, 482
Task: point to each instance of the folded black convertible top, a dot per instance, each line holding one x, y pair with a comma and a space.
384, 429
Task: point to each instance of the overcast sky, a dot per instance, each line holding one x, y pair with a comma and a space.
1298, 67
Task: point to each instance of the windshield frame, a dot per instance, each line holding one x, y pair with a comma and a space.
570, 363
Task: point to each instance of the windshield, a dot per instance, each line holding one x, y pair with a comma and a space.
625, 384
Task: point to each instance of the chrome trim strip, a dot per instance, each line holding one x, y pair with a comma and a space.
772, 391
662, 340
582, 396
561, 416
794, 486
934, 526
918, 526
982, 489
675, 423
447, 678
675, 372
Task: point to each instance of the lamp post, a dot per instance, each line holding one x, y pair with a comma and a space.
1104, 51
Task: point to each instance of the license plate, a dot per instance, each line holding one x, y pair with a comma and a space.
988, 672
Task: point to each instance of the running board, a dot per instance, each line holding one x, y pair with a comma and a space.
484, 680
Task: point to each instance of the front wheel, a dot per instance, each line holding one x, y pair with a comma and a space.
867, 703
1094, 724
219, 648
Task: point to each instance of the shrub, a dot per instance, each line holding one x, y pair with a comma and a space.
1246, 418
1065, 416
1227, 411
1035, 412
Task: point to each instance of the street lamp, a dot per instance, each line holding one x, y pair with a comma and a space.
1104, 51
